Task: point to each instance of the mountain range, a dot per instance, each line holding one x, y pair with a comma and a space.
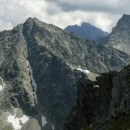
39, 67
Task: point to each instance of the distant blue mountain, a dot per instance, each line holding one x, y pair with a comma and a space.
87, 31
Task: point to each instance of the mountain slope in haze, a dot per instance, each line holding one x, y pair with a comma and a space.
120, 36
87, 31
39, 65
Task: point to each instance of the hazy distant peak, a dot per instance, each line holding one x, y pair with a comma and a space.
86, 24
87, 31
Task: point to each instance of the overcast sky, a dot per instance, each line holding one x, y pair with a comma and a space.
101, 13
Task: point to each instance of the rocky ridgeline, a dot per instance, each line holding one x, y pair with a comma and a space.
87, 31
103, 104
119, 37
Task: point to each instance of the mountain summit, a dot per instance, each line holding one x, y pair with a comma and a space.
120, 36
87, 31
124, 22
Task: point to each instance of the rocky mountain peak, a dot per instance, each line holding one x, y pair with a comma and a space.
32, 19
87, 31
120, 36
85, 24
124, 22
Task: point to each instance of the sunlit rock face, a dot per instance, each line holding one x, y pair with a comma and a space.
120, 36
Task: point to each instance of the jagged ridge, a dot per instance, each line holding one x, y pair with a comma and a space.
87, 31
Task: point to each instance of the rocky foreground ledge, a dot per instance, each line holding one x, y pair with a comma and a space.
103, 104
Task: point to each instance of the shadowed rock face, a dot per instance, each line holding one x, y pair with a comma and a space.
50, 57
104, 106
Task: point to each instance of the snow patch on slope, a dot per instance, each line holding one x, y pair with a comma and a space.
43, 121
53, 127
84, 71
17, 122
96, 86
90, 75
2, 86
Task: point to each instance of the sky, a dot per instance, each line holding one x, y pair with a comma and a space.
100, 13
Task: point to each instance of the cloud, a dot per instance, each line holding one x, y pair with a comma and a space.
5, 25
17, 11
103, 14
114, 6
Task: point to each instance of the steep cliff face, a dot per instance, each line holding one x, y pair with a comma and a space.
17, 99
103, 104
39, 65
120, 36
